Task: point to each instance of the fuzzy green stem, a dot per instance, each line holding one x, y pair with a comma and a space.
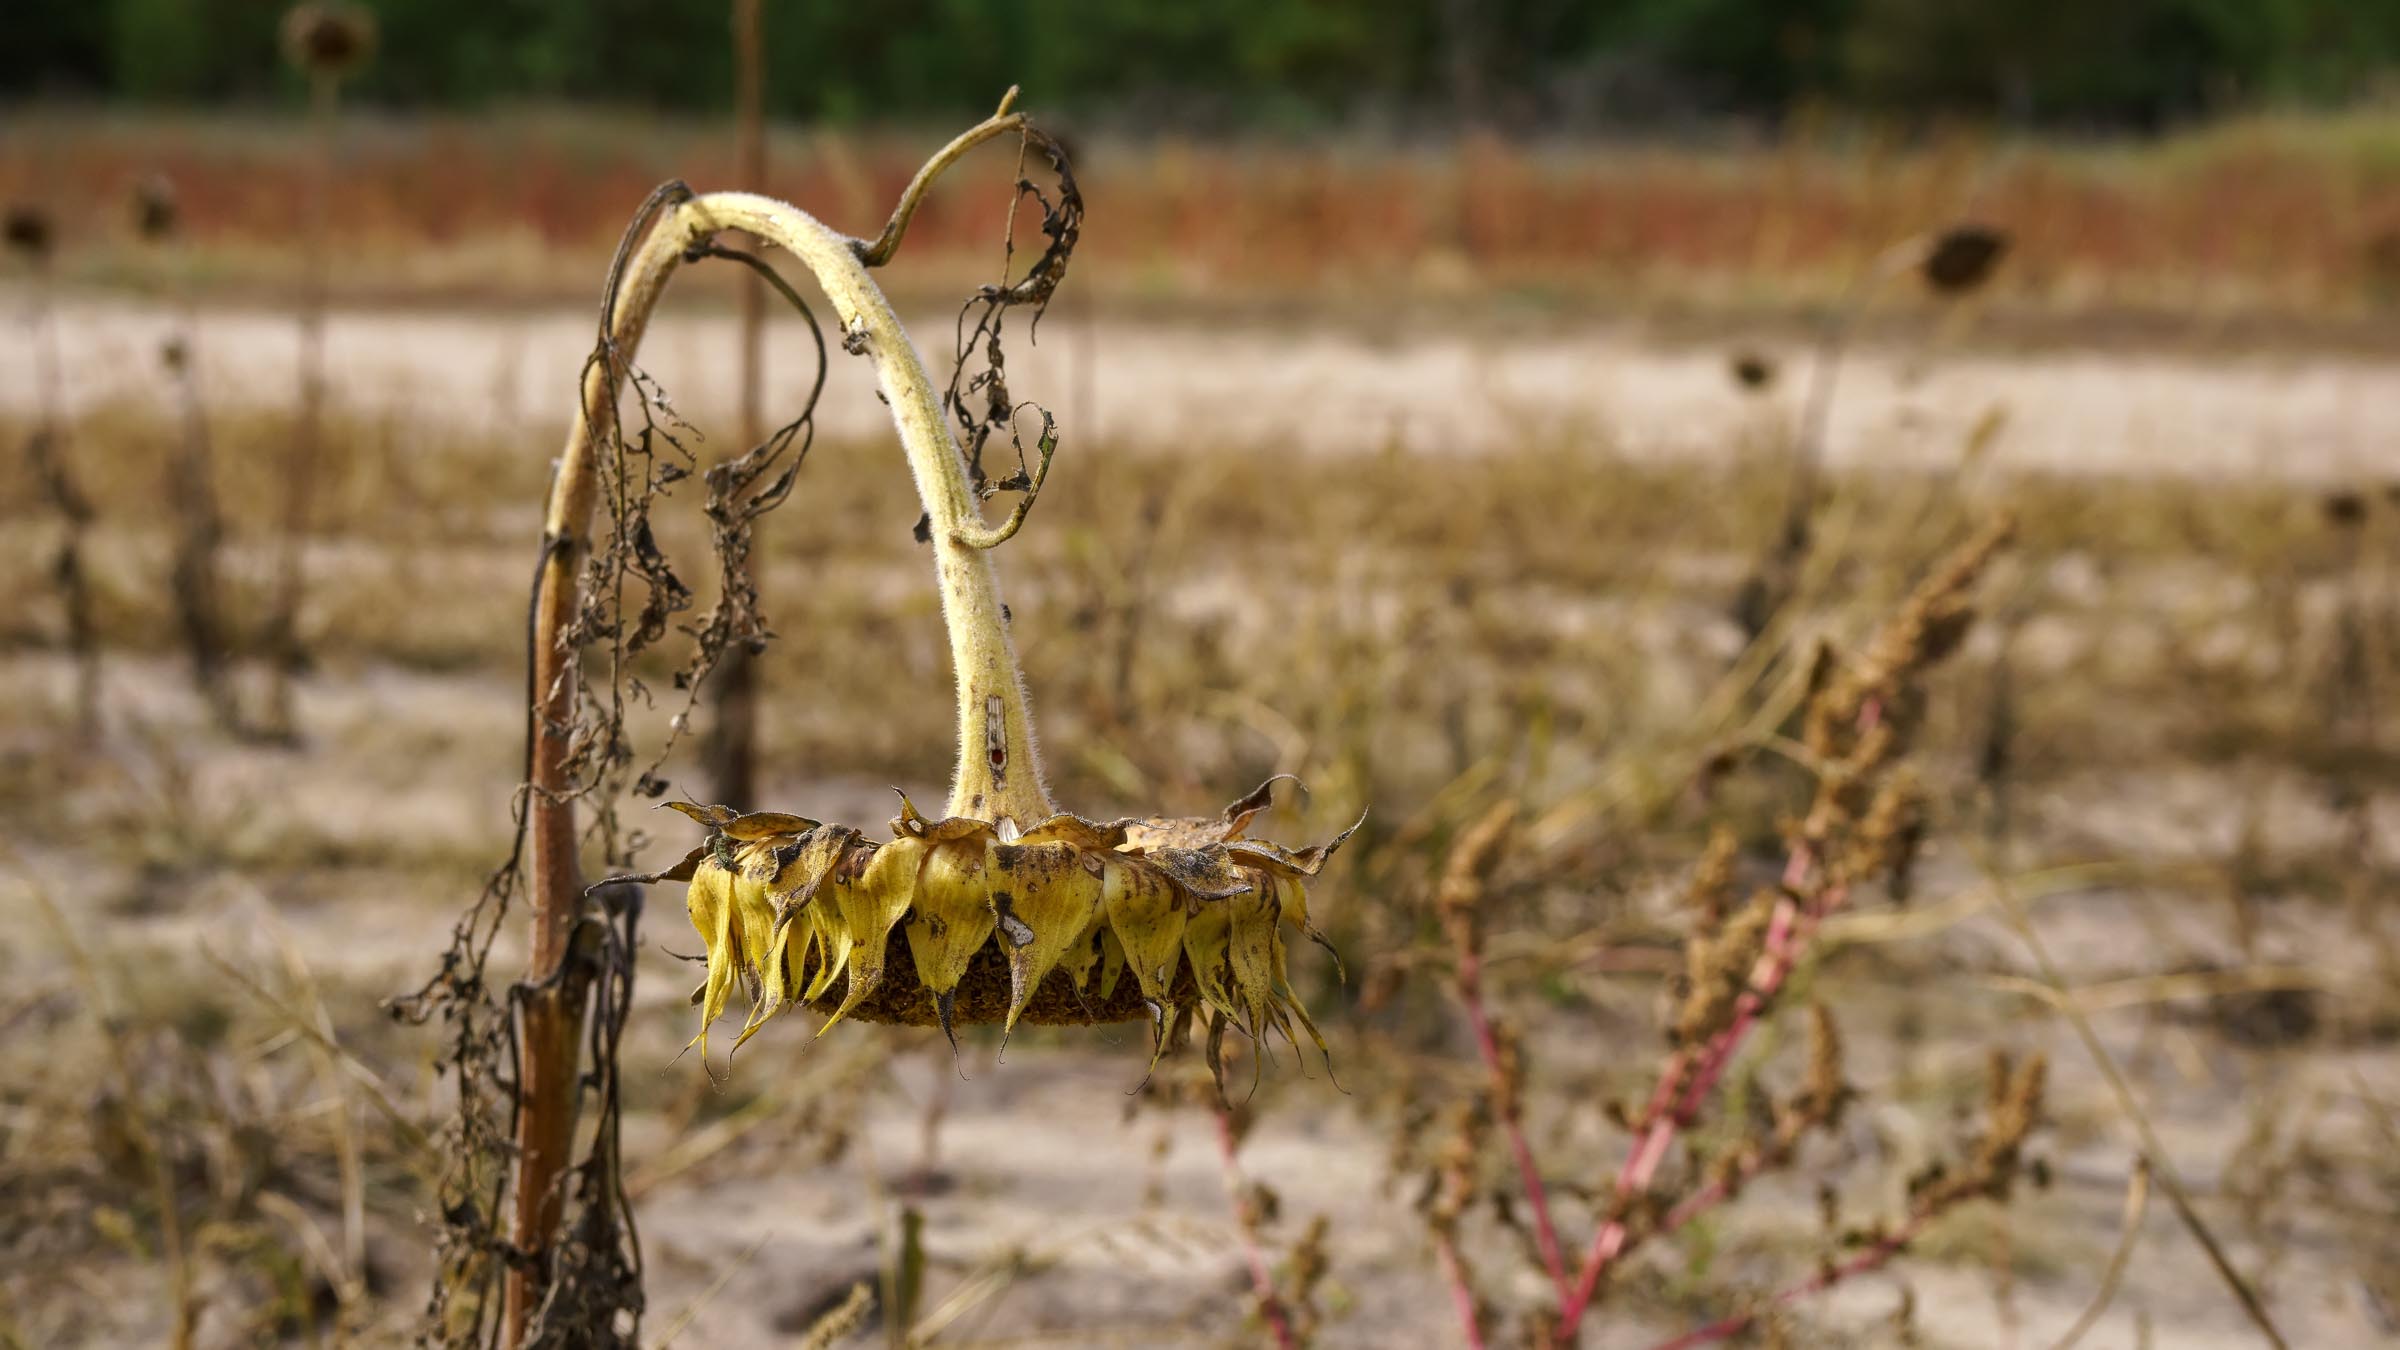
999, 776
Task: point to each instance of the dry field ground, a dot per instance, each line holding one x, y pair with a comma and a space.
1425, 567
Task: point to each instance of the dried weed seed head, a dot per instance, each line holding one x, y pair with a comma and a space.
27, 229
1753, 371
2344, 508
154, 211
1995, 1159
328, 38
1861, 716
1962, 258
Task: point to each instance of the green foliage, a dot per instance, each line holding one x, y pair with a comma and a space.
1521, 63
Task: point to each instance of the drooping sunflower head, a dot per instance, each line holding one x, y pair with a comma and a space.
1070, 922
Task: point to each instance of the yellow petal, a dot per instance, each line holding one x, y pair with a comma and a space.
1044, 896
710, 902
884, 890
953, 913
753, 913
1082, 955
1208, 945
1112, 963
1147, 913
1254, 951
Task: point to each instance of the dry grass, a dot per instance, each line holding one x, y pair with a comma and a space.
2265, 216
2149, 688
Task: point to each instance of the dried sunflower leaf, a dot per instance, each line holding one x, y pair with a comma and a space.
1112, 963
714, 817
1082, 955
681, 871
1091, 835
1204, 873
766, 825
1254, 953
1305, 862
1237, 817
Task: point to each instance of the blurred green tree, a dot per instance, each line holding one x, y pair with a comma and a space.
1269, 64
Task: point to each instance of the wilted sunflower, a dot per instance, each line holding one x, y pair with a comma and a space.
1011, 909
1069, 922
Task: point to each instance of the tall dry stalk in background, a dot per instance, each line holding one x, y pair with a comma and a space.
729, 751
326, 41
195, 585
31, 237
1952, 263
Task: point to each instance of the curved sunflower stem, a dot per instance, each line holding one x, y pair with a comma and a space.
999, 774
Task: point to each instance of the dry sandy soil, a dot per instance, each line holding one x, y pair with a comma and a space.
1477, 387
354, 851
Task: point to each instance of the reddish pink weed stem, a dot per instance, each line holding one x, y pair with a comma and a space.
1461, 1296
1687, 1080
1262, 1280
1884, 1249
1487, 1044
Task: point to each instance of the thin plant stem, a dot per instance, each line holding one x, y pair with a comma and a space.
1687, 1079
1881, 1251
1462, 1295
1262, 1280
49, 455
2137, 1207
183, 1308
303, 460
1685, 1084
2130, 1107
1529, 1173
730, 747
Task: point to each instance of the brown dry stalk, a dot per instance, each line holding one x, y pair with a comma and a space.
729, 750
46, 450
1951, 263
285, 652
2161, 1164
194, 583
